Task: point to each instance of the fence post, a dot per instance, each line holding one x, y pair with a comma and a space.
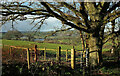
2, 46
87, 68
13, 51
67, 55
58, 57
23, 54
73, 58
45, 53
35, 51
28, 58
87, 57
10, 51
81, 58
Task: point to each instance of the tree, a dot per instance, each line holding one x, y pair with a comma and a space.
13, 34
90, 17
30, 37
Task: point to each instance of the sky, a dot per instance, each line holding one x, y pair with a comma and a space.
50, 24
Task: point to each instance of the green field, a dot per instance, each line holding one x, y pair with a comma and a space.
29, 44
108, 67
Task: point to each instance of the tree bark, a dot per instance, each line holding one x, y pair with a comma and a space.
95, 49
82, 40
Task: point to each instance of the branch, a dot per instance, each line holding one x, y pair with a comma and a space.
104, 8
10, 18
6, 13
20, 9
57, 31
71, 8
62, 19
84, 14
92, 11
76, 20
18, 5
109, 39
41, 23
37, 17
114, 7
111, 16
110, 36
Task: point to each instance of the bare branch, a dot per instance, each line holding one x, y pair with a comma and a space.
41, 23
62, 19
111, 16
76, 20
110, 36
57, 31
114, 7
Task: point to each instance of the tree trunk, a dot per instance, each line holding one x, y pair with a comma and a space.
82, 40
113, 39
95, 49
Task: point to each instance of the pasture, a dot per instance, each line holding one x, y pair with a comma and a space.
50, 67
28, 44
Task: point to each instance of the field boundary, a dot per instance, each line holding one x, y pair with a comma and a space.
58, 54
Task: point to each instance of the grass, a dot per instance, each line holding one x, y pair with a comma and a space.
106, 69
29, 44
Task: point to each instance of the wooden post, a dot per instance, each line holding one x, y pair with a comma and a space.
81, 59
59, 54
13, 53
35, 51
67, 55
31, 54
28, 58
2, 46
73, 58
87, 57
22, 54
45, 53
10, 51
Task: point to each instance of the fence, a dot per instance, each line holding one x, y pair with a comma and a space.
38, 54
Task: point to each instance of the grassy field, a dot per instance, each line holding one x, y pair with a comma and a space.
40, 45
21, 69
30, 44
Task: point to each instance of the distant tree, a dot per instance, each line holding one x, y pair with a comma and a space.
30, 37
13, 35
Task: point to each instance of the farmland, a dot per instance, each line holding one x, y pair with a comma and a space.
41, 45
60, 38
48, 67
26, 44
17, 60
42, 65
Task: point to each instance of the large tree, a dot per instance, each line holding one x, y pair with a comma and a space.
90, 17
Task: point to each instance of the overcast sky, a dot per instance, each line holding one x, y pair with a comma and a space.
50, 24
